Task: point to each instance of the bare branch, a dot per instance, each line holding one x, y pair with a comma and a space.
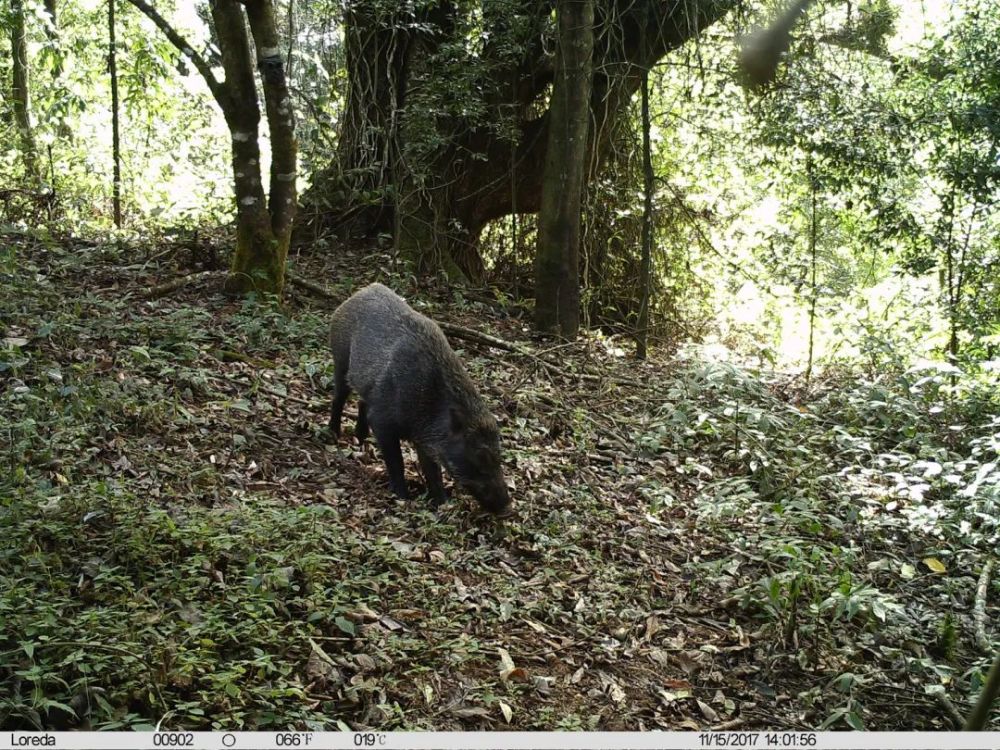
217, 89
161, 290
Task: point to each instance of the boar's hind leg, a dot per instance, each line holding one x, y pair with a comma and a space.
341, 390
361, 427
432, 475
388, 444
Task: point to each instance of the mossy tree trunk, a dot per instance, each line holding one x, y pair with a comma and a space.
557, 264
431, 234
20, 95
263, 222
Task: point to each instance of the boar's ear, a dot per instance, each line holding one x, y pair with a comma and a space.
456, 420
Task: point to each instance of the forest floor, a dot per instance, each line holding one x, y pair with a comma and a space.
182, 544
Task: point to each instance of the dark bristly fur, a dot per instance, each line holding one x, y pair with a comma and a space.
413, 387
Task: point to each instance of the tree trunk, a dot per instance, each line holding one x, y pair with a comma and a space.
252, 265
421, 233
557, 265
952, 276
980, 713
116, 151
263, 233
52, 32
645, 266
61, 126
372, 187
431, 232
263, 228
283, 199
20, 91
813, 287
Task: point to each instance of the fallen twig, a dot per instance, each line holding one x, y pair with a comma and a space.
728, 726
312, 286
233, 379
949, 708
152, 292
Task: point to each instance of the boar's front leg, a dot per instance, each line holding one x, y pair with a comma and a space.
387, 438
361, 426
340, 393
432, 475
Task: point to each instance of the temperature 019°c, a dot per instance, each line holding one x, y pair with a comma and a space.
369, 739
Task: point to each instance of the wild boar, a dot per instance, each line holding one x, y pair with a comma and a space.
413, 387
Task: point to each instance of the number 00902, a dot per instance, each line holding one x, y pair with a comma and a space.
173, 739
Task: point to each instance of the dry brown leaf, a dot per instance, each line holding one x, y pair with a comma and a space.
691, 661
708, 712
470, 712
362, 613
321, 673
616, 692
677, 684
543, 684
653, 626
670, 696
506, 663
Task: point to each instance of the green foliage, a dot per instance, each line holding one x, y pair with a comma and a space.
178, 546
212, 602
174, 146
947, 637
817, 499
908, 157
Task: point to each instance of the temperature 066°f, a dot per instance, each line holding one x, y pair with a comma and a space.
293, 739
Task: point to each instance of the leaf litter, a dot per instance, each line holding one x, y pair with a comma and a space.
174, 485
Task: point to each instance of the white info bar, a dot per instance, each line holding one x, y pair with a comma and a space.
501, 740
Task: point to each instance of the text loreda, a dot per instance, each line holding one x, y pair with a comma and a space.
32, 740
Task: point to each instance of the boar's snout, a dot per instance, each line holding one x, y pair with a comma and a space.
495, 499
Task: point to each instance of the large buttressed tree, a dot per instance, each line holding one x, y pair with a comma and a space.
445, 127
